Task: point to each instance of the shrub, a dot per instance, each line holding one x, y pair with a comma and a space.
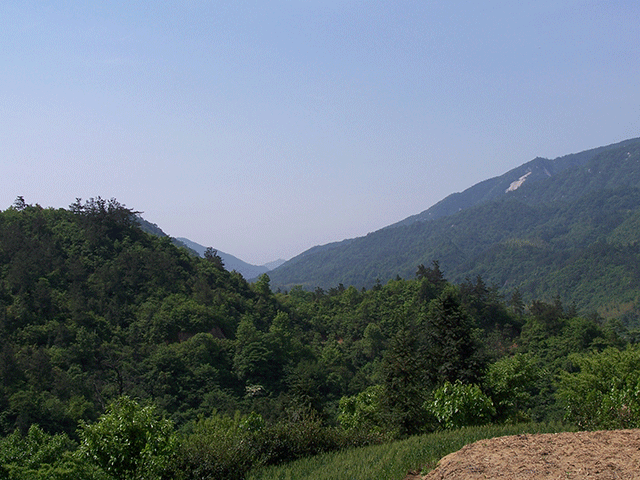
228, 447
363, 411
220, 446
604, 392
510, 382
41, 456
456, 405
129, 441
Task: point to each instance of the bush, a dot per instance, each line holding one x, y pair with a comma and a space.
41, 456
363, 411
228, 447
510, 382
219, 446
129, 441
457, 405
604, 392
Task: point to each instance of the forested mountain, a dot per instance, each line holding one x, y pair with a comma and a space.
89, 284
122, 354
536, 170
561, 227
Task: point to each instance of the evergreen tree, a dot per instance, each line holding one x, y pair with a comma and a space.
451, 348
405, 386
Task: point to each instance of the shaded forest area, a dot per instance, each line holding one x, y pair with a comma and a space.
100, 321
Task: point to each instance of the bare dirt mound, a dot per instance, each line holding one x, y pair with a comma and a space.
602, 455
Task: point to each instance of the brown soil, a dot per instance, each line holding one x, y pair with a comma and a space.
602, 455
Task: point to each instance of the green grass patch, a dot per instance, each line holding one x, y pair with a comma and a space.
394, 460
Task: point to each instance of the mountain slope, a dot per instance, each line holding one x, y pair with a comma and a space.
584, 205
538, 169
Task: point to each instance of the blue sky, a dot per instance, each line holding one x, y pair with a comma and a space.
263, 128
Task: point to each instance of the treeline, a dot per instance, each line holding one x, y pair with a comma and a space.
101, 322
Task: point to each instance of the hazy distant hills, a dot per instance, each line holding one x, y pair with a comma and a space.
568, 227
247, 270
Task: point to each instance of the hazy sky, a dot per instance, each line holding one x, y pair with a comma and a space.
264, 128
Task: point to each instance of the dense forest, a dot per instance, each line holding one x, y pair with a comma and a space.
570, 230
109, 332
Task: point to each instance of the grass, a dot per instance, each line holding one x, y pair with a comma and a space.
393, 460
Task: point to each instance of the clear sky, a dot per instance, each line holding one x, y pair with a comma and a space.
263, 128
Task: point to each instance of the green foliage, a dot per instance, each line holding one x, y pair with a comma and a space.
89, 304
511, 383
405, 379
193, 376
211, 255
456, 405
363, 411
453, 350
299, 435
129, 441
604, 391
93, 309
222, 446
262, 286
41, 456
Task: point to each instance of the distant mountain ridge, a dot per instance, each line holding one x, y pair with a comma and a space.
537, 227
247, 270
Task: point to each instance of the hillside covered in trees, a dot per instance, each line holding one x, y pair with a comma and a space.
569, 229
101, 321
